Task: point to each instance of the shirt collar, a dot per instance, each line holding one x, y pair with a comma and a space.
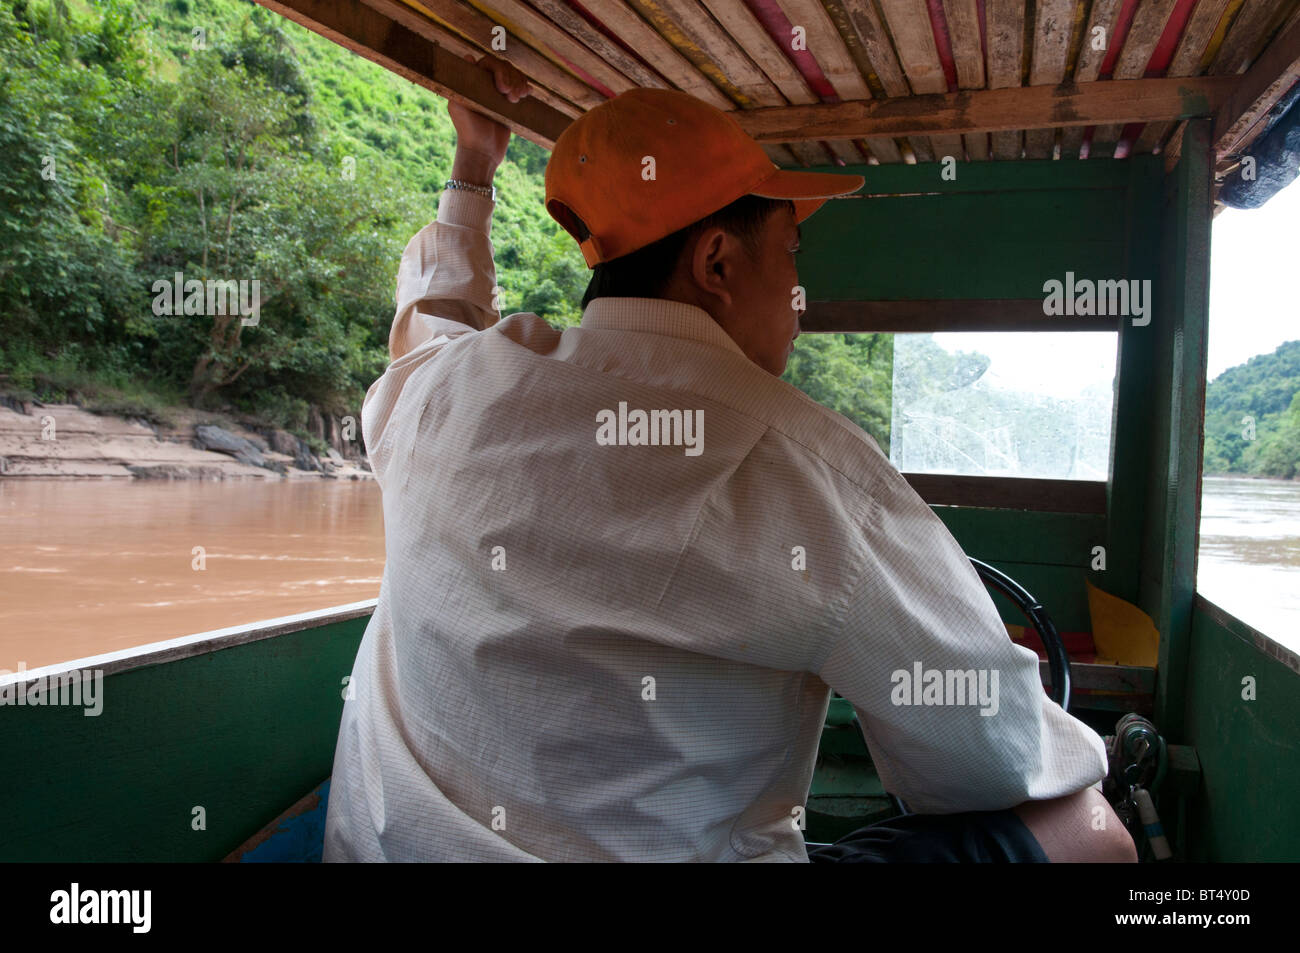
658, 316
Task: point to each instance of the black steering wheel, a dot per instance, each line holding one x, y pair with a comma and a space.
1058, 660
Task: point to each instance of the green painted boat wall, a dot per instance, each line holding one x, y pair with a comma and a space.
1246, 808
242, 732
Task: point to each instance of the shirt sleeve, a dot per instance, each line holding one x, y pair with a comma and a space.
445, 290
952, 710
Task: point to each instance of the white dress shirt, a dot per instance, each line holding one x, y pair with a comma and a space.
597, 648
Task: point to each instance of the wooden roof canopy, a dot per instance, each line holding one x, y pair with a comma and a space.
835, 82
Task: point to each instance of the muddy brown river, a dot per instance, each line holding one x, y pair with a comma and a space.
94, 566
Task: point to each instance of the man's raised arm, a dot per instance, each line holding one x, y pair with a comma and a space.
447, 275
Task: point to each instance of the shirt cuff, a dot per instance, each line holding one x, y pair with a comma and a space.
467, 209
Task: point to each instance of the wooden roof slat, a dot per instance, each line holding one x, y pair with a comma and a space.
688, 26
647, 41
878, 46
989, 110
453, 20
613, 54
1139, 43
1196, 37
827, 47
884, 149
369, 33
807, 153
779, 154
968, 59
1245, 37
540, 33
1053, 27
1186, 62
964, 34
1272, 74
1087, 67
863, 20
909, 25
1004, 26
739, 21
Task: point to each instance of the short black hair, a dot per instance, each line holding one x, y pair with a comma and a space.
645, 273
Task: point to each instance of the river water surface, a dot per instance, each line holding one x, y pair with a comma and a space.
90, 566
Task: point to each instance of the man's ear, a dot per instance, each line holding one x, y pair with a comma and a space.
713, 255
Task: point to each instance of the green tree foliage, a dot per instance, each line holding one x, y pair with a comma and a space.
216, 139
1252, 418
849, 373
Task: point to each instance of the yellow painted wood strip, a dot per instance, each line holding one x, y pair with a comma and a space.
687, 26
1246, 37
648, 42
1195, 41
1220, 31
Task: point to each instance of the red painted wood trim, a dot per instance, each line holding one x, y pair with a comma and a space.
778, 27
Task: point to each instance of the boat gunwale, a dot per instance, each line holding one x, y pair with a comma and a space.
190, 646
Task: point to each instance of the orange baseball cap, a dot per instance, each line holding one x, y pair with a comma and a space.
648, 162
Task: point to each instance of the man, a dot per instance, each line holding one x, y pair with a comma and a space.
626, 564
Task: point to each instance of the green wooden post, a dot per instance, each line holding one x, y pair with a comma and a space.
1180, 328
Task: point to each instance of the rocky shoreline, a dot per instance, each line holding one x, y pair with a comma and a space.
41, 441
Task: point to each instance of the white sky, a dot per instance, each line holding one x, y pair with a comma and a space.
1253, 264
1253, 308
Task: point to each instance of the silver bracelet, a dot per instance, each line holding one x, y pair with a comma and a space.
488, 190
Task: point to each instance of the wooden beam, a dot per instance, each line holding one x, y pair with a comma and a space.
369, 33
1242, 117
990, 110
445, 21
1005, 29
1010, 493
944, 314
